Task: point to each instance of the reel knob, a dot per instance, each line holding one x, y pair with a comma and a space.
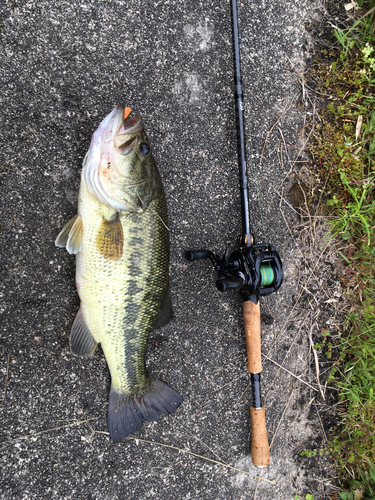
197, 254
225, 284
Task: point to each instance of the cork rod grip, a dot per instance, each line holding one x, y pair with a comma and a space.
251, 319
260, 451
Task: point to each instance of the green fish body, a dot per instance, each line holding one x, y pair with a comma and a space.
121, 241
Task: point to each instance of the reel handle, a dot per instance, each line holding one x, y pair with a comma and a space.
260, 451
197, 254
225, 284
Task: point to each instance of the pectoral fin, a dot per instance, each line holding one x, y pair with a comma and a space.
82, 342
109, 240
71, 235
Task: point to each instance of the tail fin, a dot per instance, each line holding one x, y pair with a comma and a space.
125, 416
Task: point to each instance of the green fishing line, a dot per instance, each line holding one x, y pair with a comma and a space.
266, 273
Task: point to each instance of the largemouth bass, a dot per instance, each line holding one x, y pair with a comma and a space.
121, 241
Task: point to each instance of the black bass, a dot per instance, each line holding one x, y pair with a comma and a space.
121, 241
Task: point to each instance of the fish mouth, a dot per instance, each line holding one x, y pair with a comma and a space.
126, 136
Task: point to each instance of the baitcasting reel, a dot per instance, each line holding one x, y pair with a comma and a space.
252, 270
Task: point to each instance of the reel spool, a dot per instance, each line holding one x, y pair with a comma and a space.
251, 270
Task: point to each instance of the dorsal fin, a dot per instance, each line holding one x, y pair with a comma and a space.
165, 313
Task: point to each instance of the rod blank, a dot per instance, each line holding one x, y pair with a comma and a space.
240, 131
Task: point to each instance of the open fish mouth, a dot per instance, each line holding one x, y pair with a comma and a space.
125, 138
117, 133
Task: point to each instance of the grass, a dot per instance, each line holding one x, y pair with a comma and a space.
345, 146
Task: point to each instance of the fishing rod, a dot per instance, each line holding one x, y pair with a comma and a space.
254, 270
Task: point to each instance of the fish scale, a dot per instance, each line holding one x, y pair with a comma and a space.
122, 325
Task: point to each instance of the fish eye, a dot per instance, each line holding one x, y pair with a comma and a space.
144, 149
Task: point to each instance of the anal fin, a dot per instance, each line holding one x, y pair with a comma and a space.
82, 342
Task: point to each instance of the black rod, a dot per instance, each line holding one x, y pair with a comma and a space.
246, 233
255, 389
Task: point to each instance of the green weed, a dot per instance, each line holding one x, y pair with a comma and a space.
345, 147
